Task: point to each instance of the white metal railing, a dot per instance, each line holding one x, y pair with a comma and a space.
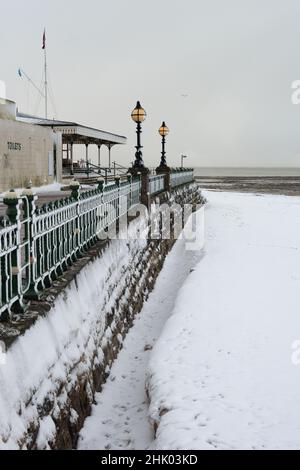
179, 177
156, 184
135, 191
9, 293
37, 244
14, 255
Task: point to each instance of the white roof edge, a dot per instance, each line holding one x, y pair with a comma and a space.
74, 128
90, 132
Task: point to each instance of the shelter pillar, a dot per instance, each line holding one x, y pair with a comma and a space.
109, 156
87, 158
72, 166
99, 158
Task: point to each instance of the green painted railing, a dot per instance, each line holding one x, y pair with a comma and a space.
38, 244
181, 176
14, 255
156, 184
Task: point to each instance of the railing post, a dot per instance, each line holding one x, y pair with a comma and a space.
117, 182
139, 176
75, 189
129, 179
100, 183
75, 194
145, 196
165, 170
29, 212
144, 174
11, 200
100, 216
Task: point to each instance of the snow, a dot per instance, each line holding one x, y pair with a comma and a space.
215, 344
53, 187
63, 344
47, 188
221, 374
119, 419
46, 433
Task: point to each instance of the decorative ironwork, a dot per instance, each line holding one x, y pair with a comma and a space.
156, 184
38, 244
179, 177
14, 255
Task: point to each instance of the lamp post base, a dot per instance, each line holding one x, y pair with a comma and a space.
143, 173
135, 170
165, 170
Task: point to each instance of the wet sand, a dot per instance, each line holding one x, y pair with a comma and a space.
285, 185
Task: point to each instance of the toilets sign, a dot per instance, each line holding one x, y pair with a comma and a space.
14, 146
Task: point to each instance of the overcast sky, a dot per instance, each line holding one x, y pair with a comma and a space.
235, 59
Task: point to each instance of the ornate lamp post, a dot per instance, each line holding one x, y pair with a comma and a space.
138, 115
163, 168
163, 131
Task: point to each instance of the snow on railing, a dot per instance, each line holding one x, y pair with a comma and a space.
156, 184
38, 244
181, 176
14, 254
8, 250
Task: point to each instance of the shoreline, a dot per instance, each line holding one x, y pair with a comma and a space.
285, 186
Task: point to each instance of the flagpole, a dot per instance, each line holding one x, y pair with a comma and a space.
46, 80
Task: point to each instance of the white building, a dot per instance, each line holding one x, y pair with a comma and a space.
40, 150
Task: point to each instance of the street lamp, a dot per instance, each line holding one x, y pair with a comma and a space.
163, 131
138, 115
182, 157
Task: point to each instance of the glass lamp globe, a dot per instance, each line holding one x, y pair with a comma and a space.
163, 130
138, 115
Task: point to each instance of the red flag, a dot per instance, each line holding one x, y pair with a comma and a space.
44, 39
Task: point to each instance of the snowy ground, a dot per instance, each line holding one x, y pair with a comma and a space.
220, 375
119, 420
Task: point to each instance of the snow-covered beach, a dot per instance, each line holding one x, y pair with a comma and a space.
223, 372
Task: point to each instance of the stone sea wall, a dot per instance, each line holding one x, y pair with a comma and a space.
60, 355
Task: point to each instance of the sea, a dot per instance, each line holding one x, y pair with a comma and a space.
247, 171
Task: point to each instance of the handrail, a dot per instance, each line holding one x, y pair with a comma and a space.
156, 184
37, 244
181, 176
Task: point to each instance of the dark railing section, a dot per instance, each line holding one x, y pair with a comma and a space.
90, 170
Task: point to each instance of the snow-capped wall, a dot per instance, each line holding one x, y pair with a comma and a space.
52, 372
